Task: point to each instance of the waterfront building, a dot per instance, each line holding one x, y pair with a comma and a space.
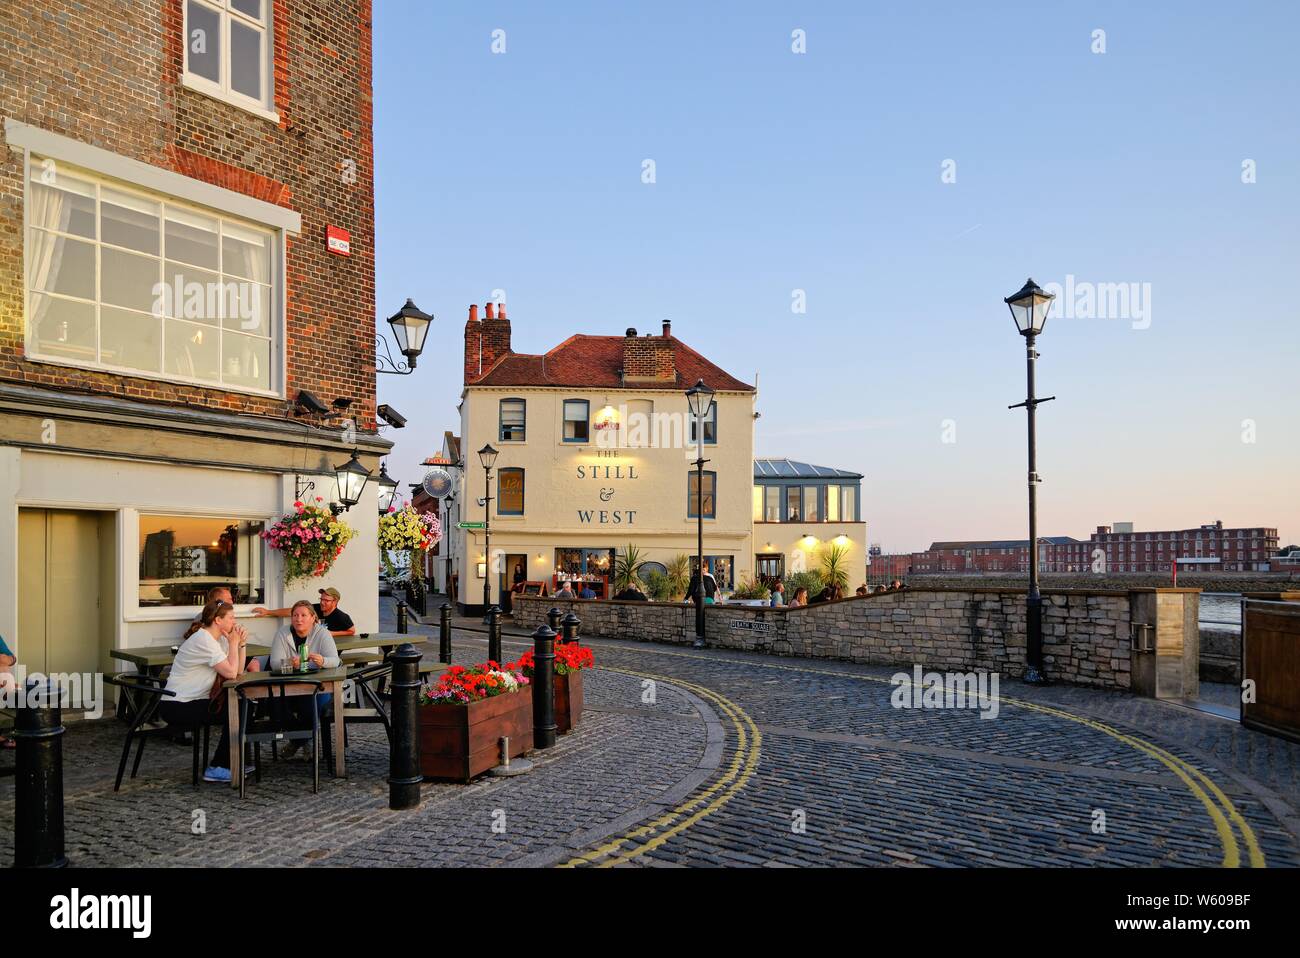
802, 511
173, 222
1208, 547
596, 450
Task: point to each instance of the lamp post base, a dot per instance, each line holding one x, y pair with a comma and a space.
698, 643
1034, 677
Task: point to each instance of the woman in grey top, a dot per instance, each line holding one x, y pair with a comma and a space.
303, 626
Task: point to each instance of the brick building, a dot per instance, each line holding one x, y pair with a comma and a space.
1209, 547
168, 173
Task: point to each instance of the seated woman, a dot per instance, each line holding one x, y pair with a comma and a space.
213, 646
303, 627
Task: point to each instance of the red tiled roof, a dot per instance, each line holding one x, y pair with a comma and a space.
596, 361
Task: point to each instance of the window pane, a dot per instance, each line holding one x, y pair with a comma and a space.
247, 360
711, 424
575, 421
127, 279
758, 504
192, 238
191, 351
130, 221
246, 306
512, 420
129, 339
182, 557
510, 492
849, 504
251, 7
793, 507
832, 503
62, 327
203, 41
695, 505
773, 513
195, 294
810, 511
61, 202
245, 253
61, 265
246, 59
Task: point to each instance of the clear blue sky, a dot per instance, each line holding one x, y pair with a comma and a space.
822, 172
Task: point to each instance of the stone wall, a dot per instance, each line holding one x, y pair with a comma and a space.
1086, 635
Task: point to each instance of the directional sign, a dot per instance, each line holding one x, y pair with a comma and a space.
470, 525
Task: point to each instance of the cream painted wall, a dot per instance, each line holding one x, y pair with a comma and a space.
642, 492
788, 539
52, 480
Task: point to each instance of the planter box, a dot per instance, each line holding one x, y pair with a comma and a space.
568, 701
458, 742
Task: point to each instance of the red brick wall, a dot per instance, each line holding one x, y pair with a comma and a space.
649, 357
107, 73
486, 341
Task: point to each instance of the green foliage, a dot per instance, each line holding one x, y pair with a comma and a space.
835, 567
812, 581
679, 576
659, 586
627, 568
752, 589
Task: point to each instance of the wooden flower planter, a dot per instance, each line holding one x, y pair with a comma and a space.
459, 742
568, 701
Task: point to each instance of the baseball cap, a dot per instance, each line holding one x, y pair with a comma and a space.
332, 592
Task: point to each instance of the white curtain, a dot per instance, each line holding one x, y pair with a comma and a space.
49, 209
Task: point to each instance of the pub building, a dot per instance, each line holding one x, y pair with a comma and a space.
595, 452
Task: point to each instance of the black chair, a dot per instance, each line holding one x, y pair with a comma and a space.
146, 693
271, 723
370, 707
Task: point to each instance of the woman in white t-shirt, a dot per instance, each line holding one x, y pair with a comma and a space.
213, 647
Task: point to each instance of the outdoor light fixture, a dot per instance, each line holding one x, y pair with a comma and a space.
410, 327
1029, 308
698, 398
488, 457
351, 478
387, 489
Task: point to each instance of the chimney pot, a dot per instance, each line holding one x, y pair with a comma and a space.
668, 327
473, 313
490, 310
631, 331
501, 313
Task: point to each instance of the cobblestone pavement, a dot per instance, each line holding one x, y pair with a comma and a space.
723, 758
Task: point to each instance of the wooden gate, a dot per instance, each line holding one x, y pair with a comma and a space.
1270, 658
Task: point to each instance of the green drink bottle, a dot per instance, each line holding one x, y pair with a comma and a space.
302, 656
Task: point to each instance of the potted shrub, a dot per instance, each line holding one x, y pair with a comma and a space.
751, 593
627, 568
679, 577
466, 714
570, 660
835, 567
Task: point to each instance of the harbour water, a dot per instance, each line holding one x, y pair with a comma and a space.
1221, 610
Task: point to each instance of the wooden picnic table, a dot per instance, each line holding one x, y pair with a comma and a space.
294, 684
382, 640
152, 659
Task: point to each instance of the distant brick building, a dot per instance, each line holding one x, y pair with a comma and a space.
168, 172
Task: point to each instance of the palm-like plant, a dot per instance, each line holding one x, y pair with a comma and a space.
835, 566
627, 568
679, 575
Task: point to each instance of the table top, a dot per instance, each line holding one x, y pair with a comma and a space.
324, 676
350, 643
150, 656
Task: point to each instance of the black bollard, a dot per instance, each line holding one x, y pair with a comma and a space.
494, 634
553, 619
404, 776
570, 625
543, 687
38, 789
403, 626
444, 633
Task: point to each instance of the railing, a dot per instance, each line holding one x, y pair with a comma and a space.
416, 595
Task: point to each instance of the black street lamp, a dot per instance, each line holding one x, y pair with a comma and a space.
1029, 308
410, 327
351, 479
699, 398
387, 489
488, 457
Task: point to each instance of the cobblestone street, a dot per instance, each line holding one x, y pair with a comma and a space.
719, 758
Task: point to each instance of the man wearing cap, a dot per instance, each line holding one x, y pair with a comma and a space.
328, 612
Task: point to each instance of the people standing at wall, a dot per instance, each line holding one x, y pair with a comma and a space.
778, 594
800, 598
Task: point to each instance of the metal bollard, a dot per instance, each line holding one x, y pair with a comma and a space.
543, 687
38, 789
444, 633
553, 619
570, 624
403, 626
494, 634
404, 776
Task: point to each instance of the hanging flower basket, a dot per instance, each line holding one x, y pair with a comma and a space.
310, 539
406, 530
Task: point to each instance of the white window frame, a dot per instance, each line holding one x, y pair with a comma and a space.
276, 322
223, 90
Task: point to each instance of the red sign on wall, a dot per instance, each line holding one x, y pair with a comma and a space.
338, 240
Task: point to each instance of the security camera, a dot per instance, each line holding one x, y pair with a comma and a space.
308, 403
342, 402
391, 416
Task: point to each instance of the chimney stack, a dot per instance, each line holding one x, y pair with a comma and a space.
668, 327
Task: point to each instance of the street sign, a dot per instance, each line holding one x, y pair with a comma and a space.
470, 525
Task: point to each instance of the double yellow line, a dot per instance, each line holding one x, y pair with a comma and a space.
683, 816
1222, 812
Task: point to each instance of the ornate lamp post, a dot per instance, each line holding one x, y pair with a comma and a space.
387, 489
488, 457
410, 327
351, 479
699, 398
1029, 308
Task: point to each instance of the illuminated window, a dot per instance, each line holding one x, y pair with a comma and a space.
510, 492
182, 557
694, 505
